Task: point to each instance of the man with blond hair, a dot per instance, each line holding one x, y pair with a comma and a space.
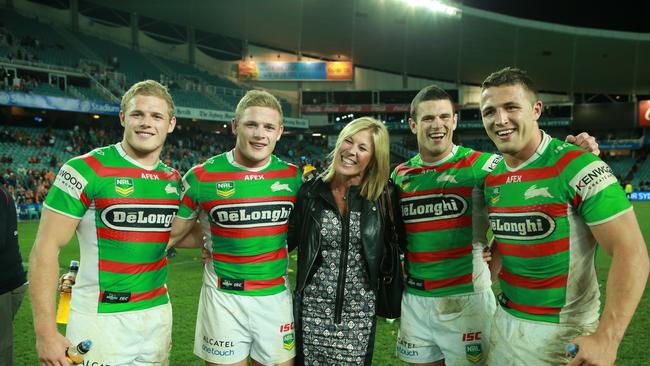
120, 200
243, 199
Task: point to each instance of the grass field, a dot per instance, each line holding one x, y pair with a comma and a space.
185, 281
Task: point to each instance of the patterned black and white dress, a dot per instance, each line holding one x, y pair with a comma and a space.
348, 341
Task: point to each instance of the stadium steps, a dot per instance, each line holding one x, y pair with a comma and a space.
76, 43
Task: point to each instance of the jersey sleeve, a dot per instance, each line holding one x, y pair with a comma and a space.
484, 165
189, 206
72, 191
595, 191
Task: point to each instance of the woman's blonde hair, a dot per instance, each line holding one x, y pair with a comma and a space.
378, 169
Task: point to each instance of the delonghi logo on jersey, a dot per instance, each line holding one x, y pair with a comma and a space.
70, 181
592, 179
444, 177
139, 217
277, 186
245, 215
432, 207
124, 186
533, 191
225, 189
521, 225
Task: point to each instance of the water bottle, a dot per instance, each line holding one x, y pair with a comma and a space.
65, 293
76, 354
572, 350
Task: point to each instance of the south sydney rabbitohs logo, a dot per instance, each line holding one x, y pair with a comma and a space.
247, 215
522, 225
432, 207
139, 217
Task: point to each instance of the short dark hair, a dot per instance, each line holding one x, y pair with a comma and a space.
431, 92
511, 76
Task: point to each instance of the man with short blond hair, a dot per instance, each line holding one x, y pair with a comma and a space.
110, 197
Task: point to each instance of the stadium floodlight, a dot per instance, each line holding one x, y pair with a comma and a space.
435, 6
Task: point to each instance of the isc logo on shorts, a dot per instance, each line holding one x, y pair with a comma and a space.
246, 215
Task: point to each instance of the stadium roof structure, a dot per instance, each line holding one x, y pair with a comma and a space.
392, 36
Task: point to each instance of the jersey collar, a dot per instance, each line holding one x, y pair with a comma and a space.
230, 155
125, 156
546, 139
451, 154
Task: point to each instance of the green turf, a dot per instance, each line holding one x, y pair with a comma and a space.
184, 285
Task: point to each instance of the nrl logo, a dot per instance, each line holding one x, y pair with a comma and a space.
277, 186
225, 189
124, 186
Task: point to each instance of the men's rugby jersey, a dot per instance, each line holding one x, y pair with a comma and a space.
445, 219
245, 215
126, 211
540, 214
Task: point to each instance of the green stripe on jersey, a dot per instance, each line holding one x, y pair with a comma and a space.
538, 214
437, 204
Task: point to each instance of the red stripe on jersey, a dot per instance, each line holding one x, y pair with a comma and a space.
465, 162
439, 255
133, 236
577, 200
533, 174
251, 232
187, 201
552, 209
435, 225
107, 171
461, 191
205, 176
454, 281
533, 283
261, 284
131, 268
246, 259
533, 250
207, 205
105, 202
84, 199
538, 310
139, 296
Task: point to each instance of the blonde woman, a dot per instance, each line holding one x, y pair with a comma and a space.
338, 229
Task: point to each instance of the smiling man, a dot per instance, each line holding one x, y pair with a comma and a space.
243, 199
448, 305
549, 205
107, 196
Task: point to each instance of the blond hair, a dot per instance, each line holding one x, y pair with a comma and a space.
148, 88
258, 98
378, 169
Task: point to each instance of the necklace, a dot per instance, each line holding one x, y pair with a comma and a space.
344, 196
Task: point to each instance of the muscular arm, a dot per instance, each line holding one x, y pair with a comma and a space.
54, 231
621, 238
185, 234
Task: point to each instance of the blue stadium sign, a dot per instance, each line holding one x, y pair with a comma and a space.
640, 196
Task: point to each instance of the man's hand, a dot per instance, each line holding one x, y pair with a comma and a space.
205, 256
51, 349
594, 351
585, 141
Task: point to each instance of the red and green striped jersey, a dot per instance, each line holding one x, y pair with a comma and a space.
126, 211
445, 220
245, 215
540, 214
